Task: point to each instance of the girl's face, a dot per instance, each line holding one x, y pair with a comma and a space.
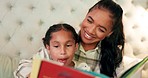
62, 47
95, 27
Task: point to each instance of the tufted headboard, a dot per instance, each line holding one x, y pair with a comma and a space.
23, 24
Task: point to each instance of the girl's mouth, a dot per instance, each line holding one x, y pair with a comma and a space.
62, 60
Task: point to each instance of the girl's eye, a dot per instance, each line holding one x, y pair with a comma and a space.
56, 46
68, 45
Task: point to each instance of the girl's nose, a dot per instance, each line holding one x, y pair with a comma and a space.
63, 51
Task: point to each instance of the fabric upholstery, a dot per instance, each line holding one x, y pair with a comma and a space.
7, 66
23, 23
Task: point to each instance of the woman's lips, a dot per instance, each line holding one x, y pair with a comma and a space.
87, 36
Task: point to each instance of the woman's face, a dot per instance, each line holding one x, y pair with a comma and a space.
96, 26
62, 47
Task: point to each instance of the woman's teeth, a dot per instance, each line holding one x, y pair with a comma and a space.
87, 36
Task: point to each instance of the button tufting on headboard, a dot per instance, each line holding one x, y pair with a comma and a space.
9, 6
23, 24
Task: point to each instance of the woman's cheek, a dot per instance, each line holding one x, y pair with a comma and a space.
101, 37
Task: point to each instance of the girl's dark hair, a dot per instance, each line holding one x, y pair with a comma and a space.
112, 46
58, 27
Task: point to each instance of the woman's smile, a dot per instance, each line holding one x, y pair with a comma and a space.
87, 36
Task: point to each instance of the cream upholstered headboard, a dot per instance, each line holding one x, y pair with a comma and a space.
23, 23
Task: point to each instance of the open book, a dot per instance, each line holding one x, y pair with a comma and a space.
52, 69
132, 71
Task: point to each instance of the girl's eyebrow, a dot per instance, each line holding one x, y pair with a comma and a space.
66, 41
71, 41
55, 42
99, 25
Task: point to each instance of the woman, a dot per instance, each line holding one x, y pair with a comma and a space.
102, 38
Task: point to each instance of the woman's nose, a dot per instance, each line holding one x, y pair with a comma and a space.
92, 29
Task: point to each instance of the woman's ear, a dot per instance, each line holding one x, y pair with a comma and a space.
109, 33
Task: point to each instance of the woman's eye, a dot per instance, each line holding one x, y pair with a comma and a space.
102, 30
89, 20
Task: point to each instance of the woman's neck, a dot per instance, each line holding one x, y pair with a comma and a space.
89, 46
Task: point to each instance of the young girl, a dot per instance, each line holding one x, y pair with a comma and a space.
60, 41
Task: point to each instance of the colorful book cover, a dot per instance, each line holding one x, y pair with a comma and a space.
51, 69
47, 69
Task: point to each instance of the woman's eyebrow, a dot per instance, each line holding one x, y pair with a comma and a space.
103, 27
99, 25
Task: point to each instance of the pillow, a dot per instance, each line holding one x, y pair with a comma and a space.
7, 66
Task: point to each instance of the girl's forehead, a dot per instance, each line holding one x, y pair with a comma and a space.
61, 31
62, 34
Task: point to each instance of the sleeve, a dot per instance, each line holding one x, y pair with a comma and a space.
25, 66
126, 64
120, 69
24, 69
